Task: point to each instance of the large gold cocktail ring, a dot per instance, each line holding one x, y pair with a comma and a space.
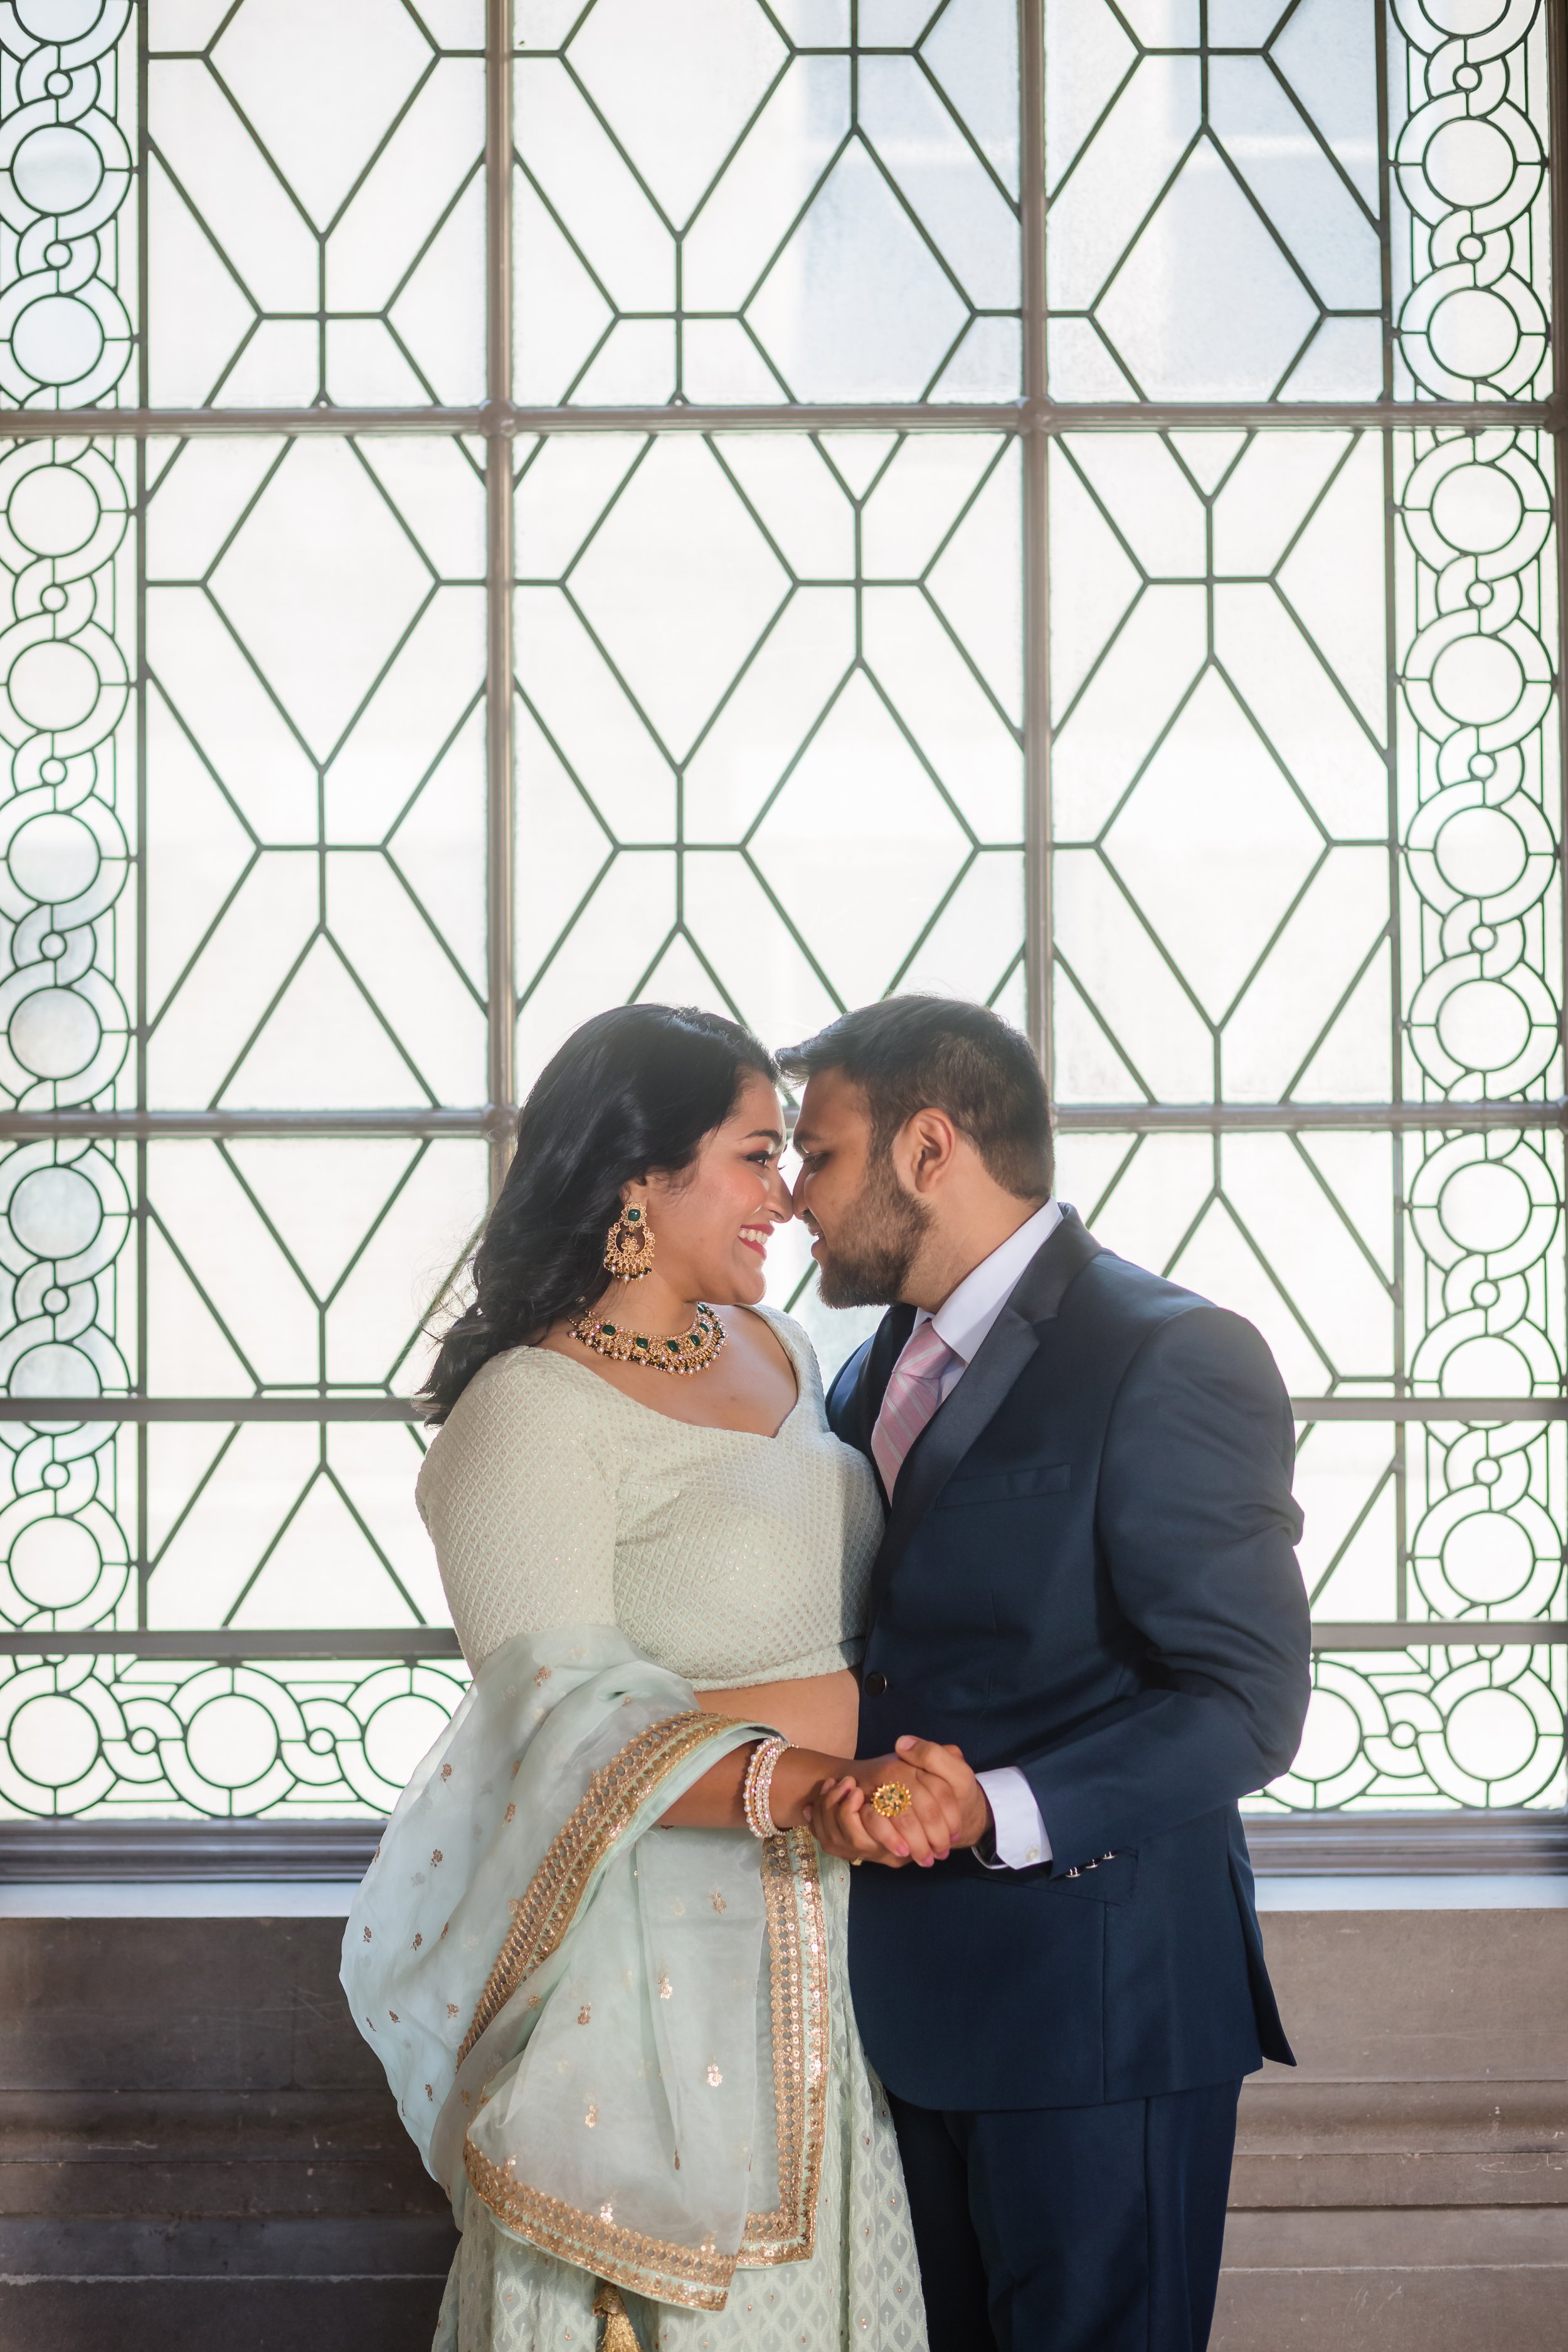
891, 1799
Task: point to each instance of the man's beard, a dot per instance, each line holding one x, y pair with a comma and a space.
868, 1262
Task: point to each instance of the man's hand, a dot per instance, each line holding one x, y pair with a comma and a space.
943, 1793
964, 1801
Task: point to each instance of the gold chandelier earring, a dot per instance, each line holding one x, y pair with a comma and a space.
629, 1247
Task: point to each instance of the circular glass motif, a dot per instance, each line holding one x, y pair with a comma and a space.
1487, 1558
59, 21
1468, 162
1464, 18
1491, 1734
1477, 680
1483, 1025
54, 1370
54, 1740
1485, 1207
1474, 332
231, 1741
53, 510
56, 1212
53, 686
1481, 853
1486, 1367
55, 1033
53, 858
1330, 1739
58, 339
57, 169
54, 1564
399, 1732
1478, 509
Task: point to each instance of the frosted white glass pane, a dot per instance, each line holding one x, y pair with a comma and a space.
845, 224
316, 157
720, 791
316, 685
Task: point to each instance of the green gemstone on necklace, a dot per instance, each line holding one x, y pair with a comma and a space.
608, 1329
638, 1341
674, 1347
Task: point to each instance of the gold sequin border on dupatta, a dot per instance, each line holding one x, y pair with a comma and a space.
797, 1949
691, 2276
697, 2278
612, 1799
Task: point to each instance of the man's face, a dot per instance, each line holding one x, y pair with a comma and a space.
867, 1228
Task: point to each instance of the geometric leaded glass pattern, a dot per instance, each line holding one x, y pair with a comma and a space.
315, 203
509, 509
748, 667
826, 210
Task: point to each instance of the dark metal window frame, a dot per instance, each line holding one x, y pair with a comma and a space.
285, 1849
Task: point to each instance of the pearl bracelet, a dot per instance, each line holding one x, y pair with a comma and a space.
757, 1785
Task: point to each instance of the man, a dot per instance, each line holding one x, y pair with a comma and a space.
1087, 1593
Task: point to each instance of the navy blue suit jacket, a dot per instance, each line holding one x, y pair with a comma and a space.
1089, 1572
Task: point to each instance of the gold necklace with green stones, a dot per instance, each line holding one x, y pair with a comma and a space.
693, 1352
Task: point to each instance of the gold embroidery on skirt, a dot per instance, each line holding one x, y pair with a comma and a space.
619, 2335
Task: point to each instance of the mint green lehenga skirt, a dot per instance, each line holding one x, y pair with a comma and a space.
637, 2077
859, 2286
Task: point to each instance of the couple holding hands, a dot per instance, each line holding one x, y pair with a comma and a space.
826, 1919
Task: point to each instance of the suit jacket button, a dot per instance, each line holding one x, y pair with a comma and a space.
876, 1686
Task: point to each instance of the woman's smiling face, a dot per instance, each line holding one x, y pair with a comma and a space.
712, 1222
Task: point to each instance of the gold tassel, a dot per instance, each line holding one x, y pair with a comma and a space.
619, 2335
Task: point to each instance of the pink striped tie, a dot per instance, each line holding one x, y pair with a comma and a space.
913, 1394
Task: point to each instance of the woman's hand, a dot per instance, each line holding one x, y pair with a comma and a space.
845, 1822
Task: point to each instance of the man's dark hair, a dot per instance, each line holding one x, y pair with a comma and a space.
937, 1053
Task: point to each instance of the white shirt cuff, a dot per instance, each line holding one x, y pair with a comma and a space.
1021, 1840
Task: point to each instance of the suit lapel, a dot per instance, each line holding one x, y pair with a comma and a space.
953, 1428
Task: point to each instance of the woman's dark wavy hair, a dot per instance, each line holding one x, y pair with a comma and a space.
632, 1090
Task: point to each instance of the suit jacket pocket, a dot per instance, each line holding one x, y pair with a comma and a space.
1110, 1881
1007, 1486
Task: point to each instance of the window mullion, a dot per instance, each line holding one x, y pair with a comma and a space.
500, 800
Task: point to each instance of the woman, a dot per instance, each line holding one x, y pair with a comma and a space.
630, 2056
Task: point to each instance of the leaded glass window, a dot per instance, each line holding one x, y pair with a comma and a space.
509, 509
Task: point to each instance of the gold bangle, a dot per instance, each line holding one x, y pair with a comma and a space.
891, 1799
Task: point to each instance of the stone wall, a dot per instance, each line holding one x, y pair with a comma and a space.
1405, 2188
197, 2150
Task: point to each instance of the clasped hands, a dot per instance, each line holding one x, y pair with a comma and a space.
947, 1808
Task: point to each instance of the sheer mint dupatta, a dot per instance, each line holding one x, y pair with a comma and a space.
614, 2036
